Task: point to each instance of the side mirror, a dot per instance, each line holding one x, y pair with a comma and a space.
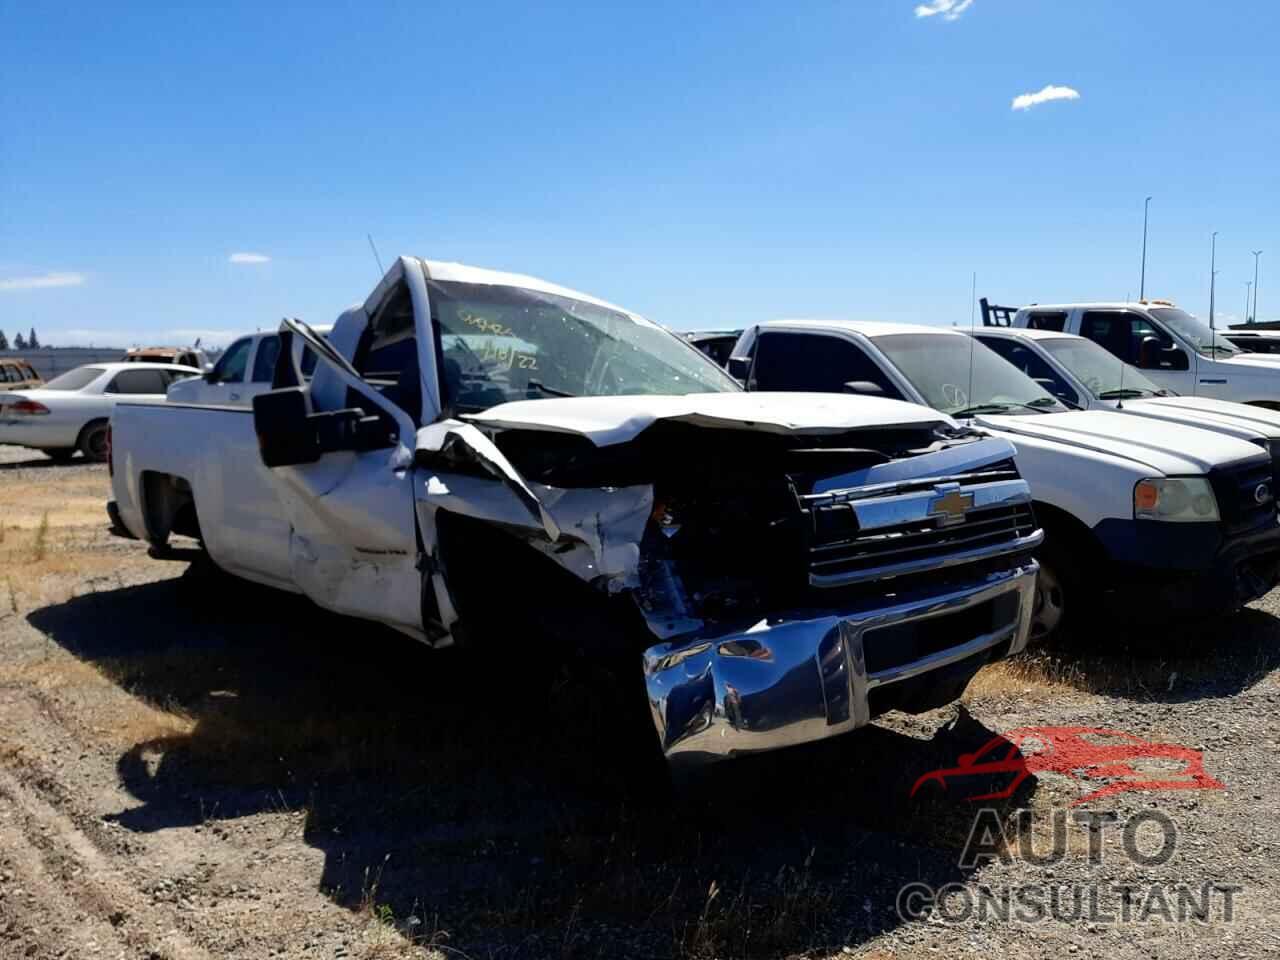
280, 421
738, 368
209, 376
1058, 390
1149, 353
289, 435
864, 388
1175, 359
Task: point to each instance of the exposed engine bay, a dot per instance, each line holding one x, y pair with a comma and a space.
702, 527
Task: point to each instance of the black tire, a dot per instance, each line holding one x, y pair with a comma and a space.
1060, 588
93, 441
61, 454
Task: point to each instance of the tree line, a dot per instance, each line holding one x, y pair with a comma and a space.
30, 342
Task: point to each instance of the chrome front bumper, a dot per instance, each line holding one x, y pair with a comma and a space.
785, 682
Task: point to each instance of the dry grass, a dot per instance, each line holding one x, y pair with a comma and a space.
1148, 664
53, 530
116, 723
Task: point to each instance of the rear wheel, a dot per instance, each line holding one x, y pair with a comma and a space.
93, 441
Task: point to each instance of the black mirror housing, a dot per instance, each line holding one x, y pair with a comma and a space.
1149, 353
738, 368
289, 435
1176, 359
280, 421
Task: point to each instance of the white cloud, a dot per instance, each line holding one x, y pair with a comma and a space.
1025, 101
42, 282
248, 258
950, 9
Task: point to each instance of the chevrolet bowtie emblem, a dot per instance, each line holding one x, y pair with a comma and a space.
950, 507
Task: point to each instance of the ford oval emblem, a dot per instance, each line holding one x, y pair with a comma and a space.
1261, 493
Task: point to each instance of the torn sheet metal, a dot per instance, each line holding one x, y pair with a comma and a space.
593, 532
598, 530
461, 442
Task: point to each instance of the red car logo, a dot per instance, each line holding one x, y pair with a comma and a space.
1121, 761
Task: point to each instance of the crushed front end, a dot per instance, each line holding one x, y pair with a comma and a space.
778, 587
915, 572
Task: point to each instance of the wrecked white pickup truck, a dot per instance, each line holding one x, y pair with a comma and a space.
488, 459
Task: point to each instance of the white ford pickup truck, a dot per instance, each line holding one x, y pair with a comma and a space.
1159, 519
1175, 349
488, 459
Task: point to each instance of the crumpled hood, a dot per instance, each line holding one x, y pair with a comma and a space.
609, 420
1167, 447
1237, 419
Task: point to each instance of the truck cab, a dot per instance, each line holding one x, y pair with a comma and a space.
243, 371
1154, 518
1085, 376
1175, 349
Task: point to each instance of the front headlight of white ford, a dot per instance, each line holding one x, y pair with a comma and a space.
1174, 498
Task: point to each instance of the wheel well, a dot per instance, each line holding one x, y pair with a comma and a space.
1265, 404
100, 422
504, 590
168, 506
1068, 534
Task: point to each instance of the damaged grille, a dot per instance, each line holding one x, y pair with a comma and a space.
953, 520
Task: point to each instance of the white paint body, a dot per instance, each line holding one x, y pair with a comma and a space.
215, 389
1245, 421
350, 530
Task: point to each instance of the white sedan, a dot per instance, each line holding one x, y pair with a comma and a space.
72, 412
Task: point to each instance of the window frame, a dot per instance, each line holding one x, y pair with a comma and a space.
159, 375
996, 344
259, 351
885, 379
215, 375
1168, 339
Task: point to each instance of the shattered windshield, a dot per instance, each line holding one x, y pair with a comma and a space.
1196, 332
1104, 374
962, 377
502, 343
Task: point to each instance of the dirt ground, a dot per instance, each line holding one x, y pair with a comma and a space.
191, 766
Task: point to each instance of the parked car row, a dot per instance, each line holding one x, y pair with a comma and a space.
72, 412
1169, 512
854, 517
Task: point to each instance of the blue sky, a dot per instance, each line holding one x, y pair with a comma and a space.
704, 164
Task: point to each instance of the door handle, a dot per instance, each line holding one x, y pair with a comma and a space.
235, 396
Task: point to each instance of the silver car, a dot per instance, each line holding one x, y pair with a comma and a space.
72, 412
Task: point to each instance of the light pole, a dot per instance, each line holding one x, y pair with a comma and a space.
1248, 285
1256, 255
1213, 275
1142, 282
